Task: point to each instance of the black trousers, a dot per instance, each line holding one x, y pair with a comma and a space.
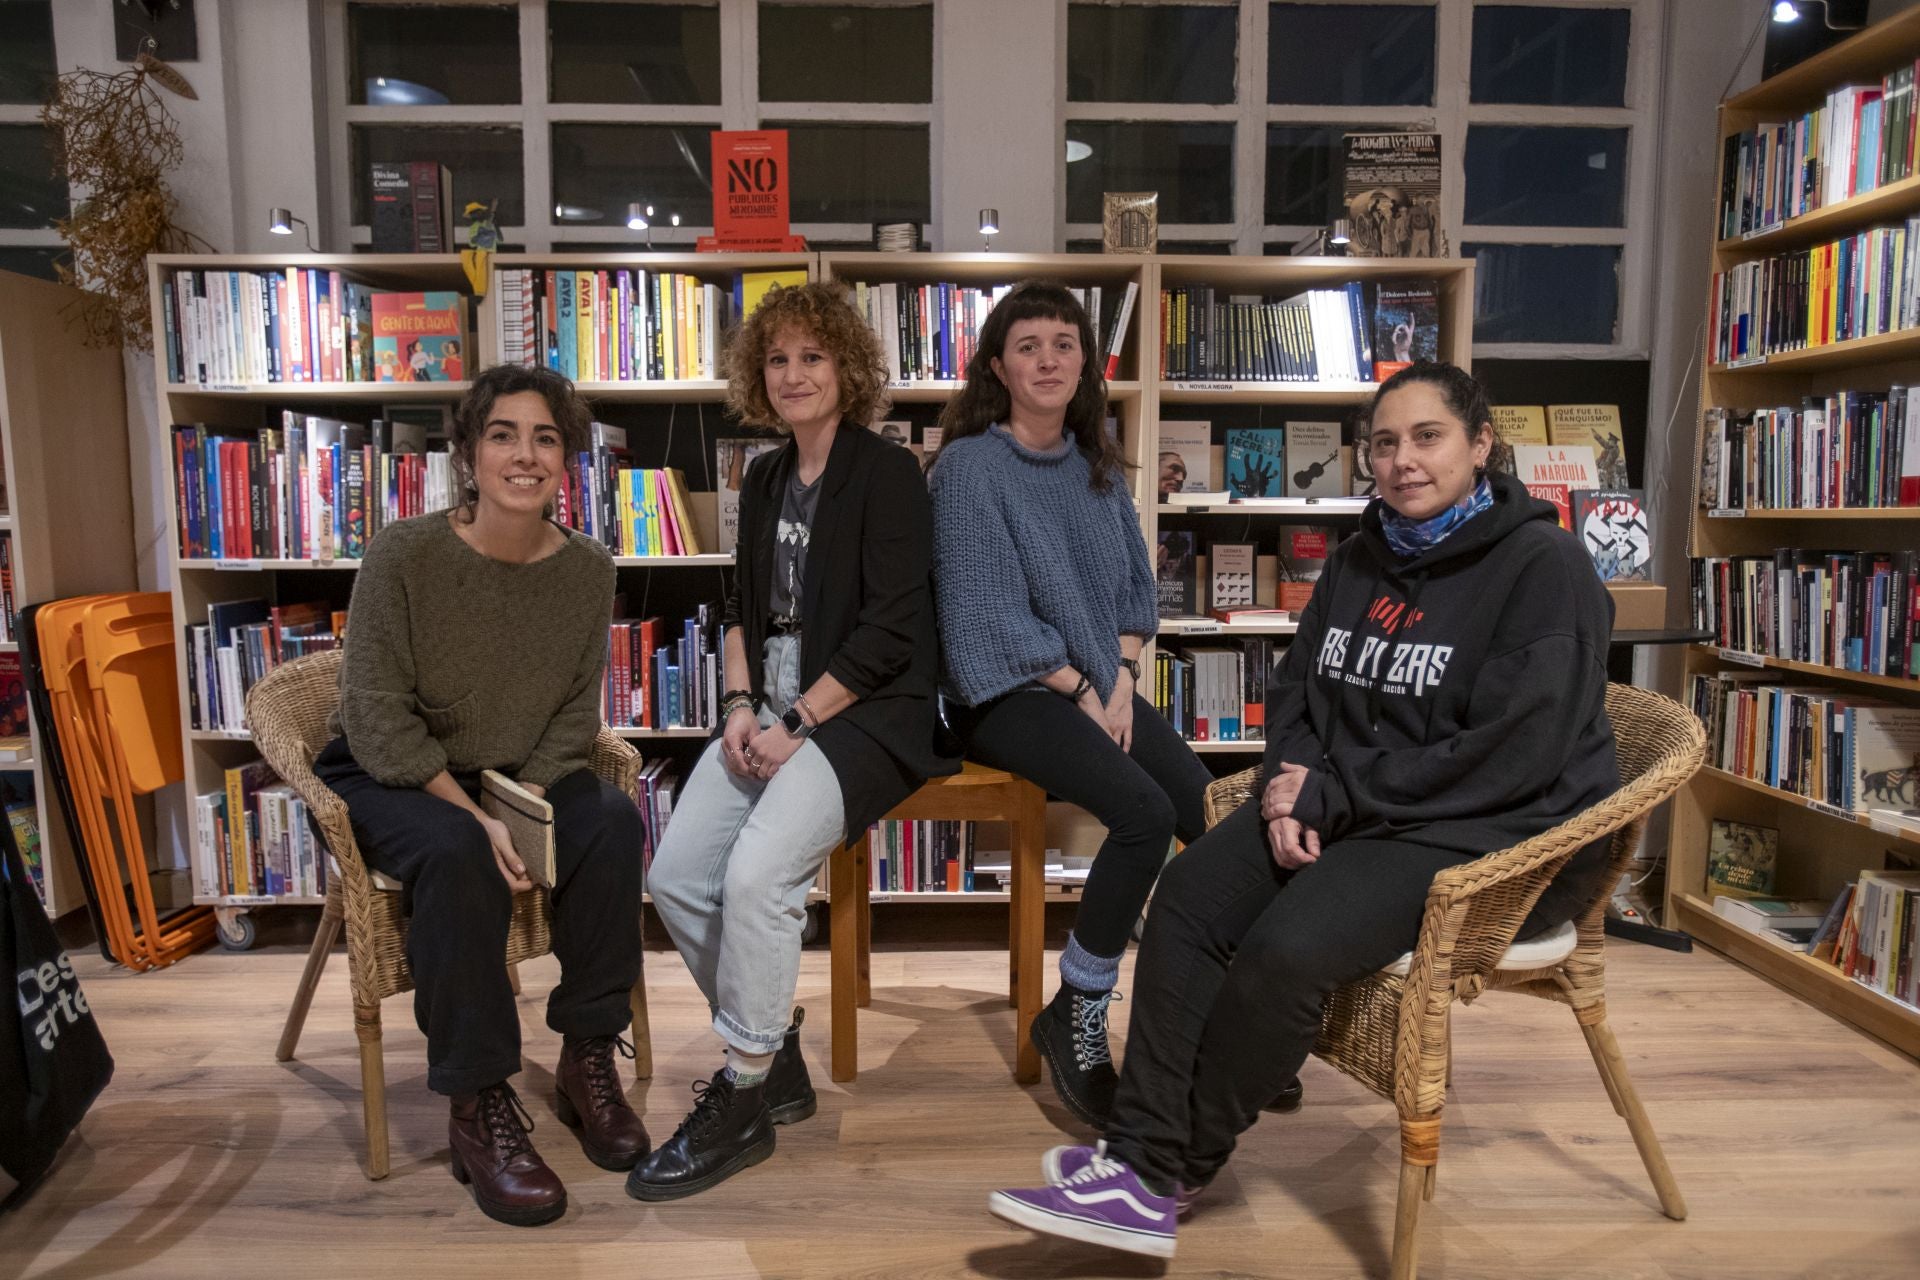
461, 909
1143, 798
1238, 959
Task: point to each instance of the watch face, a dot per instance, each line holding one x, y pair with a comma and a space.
791, 721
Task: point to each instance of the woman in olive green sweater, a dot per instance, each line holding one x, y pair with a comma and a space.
476, 641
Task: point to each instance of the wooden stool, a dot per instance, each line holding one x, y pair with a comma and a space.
975, 794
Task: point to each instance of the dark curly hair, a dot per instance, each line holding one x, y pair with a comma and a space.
823, 312
984, 401
570, 414
1464, 395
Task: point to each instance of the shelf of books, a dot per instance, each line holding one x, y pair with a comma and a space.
1797, 849
1261, 368
66, 529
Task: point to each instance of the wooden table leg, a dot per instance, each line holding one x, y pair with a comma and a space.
1029, 840
845, 901
1016, 893
863, 921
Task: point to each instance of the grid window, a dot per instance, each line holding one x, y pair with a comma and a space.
1151, 53
487, 164
29, 260
27, 66
1550, 57
858, 172
32, 191
1526, 175
599, 169
1190, 165
1546, 292
846, 53
1350, 55
420, 55
652, 55
1306, 172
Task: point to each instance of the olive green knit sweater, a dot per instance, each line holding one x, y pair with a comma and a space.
461, 662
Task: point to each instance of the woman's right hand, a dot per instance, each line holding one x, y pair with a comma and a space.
1293, 845
741, 726
512, 870
1091, 704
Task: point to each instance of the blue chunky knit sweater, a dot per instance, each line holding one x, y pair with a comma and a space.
1033, 569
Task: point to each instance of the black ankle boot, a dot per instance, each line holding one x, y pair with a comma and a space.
1071, 1034
1288, 1099
790, 1096
728, 1130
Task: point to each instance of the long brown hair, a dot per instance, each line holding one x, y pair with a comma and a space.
984, 401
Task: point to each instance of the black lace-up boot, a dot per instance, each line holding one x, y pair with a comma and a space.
728, 1130
493, 1153
1071, 1034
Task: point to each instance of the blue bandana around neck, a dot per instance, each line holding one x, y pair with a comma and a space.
1410, 537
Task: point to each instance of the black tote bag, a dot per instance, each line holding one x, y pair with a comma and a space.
53, 1060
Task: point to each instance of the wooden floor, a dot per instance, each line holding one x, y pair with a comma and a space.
1794, 1139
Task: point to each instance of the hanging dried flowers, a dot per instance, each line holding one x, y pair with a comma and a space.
117, 141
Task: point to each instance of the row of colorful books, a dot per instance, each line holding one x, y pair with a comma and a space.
924, 856
307, 325
661, 675
7, 635
1881, 933
255, 840
625, 325
658, 785
241, 641
1215, 693
1348, 334
930, 331
1845, 449
1861, 138
1855, 287
631, 511
311, 489
1853, 610
1831, 747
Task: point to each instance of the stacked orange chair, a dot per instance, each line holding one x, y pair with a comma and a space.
110, 672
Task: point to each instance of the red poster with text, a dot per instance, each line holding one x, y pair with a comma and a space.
750, 190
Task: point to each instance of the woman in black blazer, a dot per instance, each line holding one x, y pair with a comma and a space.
829, 715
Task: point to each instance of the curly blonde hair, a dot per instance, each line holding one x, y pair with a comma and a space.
824, 313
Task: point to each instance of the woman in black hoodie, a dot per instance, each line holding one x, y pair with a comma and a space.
1444, 698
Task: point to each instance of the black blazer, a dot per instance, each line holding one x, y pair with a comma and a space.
867, 612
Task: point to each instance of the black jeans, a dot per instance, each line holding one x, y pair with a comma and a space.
1238, 958
1143, 798
461, 907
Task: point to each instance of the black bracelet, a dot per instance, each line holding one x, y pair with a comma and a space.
1080, 690
731, 694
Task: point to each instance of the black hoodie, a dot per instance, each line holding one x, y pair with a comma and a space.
1455, 699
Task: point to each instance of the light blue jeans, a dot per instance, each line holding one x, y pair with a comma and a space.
730, 879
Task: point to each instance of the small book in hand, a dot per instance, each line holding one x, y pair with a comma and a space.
528, 819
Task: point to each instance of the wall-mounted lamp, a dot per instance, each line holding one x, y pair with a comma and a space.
1340, 234
637, 216
989, 227
281, 222
1789, 11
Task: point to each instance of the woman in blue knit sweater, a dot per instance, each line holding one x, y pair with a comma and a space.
1046, 598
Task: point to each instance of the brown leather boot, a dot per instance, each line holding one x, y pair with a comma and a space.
590, 1098
492, 1153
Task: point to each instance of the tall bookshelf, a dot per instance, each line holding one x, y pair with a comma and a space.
1822, 848
68, 508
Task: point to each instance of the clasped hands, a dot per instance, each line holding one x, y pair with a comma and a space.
1293, 845
750, 751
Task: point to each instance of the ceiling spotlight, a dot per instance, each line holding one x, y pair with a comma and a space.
637, 216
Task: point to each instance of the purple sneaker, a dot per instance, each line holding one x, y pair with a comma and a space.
1103, 1202
1061, 1163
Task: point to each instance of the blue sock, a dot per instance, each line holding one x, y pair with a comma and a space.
1080, 968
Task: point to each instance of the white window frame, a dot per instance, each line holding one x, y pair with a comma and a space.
1451, 115
739, 107
19, 113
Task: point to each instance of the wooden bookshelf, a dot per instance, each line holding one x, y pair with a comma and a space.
1822, 849
68, 508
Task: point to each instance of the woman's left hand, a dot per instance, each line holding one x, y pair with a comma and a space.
768, 749
1120, 712
534, 789
1283, 791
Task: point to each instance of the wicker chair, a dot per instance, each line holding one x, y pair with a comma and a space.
288, 713
1392, 1031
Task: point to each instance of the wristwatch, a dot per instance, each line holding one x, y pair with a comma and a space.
1132, 666
795, 724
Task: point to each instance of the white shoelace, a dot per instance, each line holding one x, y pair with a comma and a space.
1090, 1030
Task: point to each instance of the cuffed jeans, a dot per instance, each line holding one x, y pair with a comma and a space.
731, 877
